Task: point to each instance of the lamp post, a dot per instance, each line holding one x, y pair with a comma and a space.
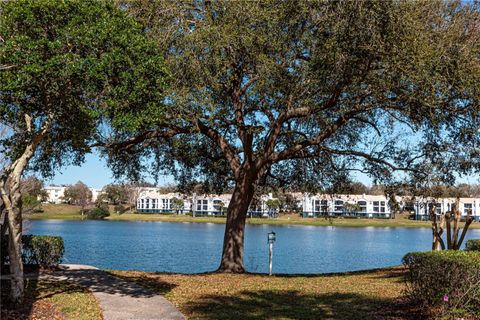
271, 239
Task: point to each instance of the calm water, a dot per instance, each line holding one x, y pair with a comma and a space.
195, 247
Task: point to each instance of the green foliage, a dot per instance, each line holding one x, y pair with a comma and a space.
473, 245
119, 209
30, 201
115, 193
63, 65
98, 213
307, 90
177, 204
273, 204
78, 194
448, 279
32, 192
45, 251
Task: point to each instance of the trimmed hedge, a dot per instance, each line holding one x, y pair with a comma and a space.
450, 279
473, 245
45, 251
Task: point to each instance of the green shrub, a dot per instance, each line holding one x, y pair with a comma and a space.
446, 279
119, 209
45, 251
98, 213
473, 245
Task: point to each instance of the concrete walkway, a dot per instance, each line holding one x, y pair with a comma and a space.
118, 299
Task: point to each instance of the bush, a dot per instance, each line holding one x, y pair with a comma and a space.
98, 213
119, 209
45, 251
473, 245
446, 279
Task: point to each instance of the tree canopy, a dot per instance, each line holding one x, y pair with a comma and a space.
301, 92
61, 63
305, 89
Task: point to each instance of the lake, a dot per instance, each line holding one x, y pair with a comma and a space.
196, 247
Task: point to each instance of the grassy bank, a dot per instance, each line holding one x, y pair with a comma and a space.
47, 300
362, 295
70, 212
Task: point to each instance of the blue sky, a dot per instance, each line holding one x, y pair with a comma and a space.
95, 173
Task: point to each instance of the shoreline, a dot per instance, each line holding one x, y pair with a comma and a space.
68, 212
315, 222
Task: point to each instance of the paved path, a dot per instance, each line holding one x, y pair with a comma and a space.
119, 299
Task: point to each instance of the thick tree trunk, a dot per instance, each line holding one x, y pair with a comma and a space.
232, 256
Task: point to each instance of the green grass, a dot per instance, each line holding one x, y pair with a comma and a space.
70, 212
58, 211
375, 294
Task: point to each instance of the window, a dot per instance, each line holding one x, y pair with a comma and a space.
438, 208
467, 208
320, 206
218, 205
147, 203
362, 206
154, 203
166, 204
379, 206
202, 205
338, 206
324, 207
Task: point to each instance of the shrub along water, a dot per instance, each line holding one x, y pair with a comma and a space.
98, 213
473, 245
44, 251
447, 281
119, 209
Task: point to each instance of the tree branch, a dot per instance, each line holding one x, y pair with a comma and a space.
221, 142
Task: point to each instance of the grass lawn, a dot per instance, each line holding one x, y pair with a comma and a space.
285, 219
71, 212
57, 211
373, 294
47, 300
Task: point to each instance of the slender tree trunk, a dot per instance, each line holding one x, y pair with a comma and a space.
448, 219
14, 217
468, 222
232, 256
12, 200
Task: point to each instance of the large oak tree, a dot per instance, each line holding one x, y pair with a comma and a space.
299, 92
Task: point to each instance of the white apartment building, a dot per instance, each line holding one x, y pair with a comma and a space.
56, 194
367, 206
150, 200
423, 206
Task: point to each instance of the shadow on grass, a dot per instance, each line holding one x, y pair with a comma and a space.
34, 306
102, 281
266, 304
